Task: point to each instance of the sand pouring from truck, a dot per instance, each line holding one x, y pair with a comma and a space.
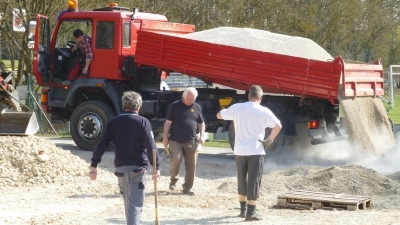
13, 121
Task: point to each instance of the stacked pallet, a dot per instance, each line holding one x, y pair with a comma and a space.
321, 200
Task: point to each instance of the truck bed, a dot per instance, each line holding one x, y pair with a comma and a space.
240, 68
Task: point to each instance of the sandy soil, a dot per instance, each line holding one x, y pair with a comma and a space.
81, 201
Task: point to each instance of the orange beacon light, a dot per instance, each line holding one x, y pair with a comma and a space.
72, 5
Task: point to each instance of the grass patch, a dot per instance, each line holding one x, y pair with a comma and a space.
220, 144
393, 114
7, 63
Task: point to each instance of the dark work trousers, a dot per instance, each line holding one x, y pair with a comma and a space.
180, 151
132, 186
250, 169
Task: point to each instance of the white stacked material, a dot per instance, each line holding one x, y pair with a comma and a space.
262, 40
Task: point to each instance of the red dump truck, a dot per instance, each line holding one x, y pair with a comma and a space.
133, 49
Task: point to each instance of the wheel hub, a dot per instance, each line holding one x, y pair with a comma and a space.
90, 126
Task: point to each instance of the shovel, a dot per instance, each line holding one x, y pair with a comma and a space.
167, 154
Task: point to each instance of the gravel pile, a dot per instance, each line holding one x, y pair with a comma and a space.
82, 201
350, 179
368, 124
20, 166
262, 40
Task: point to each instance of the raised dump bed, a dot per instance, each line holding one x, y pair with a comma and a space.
240, 68
320, 200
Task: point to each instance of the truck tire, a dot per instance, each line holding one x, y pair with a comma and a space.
88, 121
273, 149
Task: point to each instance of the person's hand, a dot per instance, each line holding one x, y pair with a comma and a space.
267, 142
201, 140
156, 176
74, 48
93, 173
165, 141
85, 69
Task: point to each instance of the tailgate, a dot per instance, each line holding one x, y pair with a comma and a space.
240, 68
361, 79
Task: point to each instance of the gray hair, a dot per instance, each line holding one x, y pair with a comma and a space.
190, 89
256, 92
131, 100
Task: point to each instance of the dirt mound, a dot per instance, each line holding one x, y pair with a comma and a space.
368, 124
20, 166
351, 179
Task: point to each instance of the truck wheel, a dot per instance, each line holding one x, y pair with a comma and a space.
88, 122
273, 149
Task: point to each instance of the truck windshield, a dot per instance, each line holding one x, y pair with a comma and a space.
67, 28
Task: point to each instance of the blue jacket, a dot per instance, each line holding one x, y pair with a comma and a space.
133, 140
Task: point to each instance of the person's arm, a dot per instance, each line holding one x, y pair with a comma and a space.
168, 123
275, 131
167, 127
226, 114
202, 129
86, 68
89, 56
219, 115
150, 145
98, 152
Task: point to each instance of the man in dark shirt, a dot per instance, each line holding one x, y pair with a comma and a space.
133, 140
183, 120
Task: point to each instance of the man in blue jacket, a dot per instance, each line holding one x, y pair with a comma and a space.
133, 140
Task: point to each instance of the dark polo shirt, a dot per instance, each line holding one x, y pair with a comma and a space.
185, 120
133, 140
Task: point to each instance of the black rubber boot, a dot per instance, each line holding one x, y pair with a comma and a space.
251, 213
242, 209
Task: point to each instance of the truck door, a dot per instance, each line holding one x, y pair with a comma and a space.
41, 50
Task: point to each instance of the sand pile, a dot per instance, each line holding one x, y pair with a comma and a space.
262, 40
368, 124
19, 164
350, 179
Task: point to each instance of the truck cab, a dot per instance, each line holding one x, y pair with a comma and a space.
91, 99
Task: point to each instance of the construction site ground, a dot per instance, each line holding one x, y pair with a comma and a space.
82, 201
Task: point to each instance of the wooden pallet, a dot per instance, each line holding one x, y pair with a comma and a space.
320, 200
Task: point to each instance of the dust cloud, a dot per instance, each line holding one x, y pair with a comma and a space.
371, 142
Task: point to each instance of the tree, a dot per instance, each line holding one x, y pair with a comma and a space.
26, 10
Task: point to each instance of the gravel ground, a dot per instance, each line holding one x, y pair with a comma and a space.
77, 200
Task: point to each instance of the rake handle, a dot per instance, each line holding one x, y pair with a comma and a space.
155, 185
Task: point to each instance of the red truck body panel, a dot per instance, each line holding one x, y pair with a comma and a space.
240, 68
362, 79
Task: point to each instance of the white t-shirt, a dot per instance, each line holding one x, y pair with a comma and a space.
250, 120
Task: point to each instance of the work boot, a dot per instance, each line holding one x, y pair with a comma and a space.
188, 192
67, 82
172, 186
242, 210
251, 213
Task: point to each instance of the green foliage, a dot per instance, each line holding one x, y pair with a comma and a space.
393, 114
220, 144
354, 29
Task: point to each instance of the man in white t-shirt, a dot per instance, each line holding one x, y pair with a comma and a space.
250, 120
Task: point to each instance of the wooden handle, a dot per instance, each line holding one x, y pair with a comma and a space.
155, 185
